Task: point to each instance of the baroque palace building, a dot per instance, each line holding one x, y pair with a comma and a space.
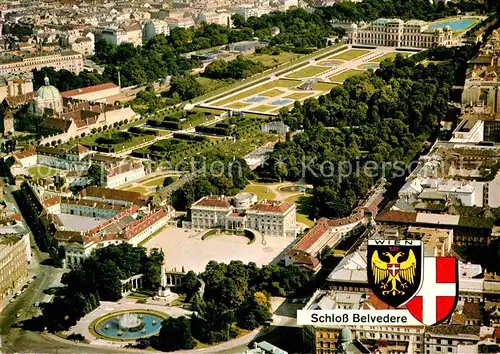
397, 33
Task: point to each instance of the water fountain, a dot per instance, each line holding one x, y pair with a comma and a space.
130, 322
131, 325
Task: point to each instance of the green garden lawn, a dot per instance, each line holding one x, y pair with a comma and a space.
261, 192
272, 93
323, 86
344, 75
263, 108
304, 204
298, 95
391, 56
141, 190
41, 171
237, 105
351, 54
273, 60
308, 72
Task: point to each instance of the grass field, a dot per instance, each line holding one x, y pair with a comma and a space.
304, 204
41, 171
309, 71
298, 95
209, 110
391, 56
212, 84
141, 190
257, 90
324, 86
238, 105
263, 108
338, 62
272, 93
273, 60
261, 191
351, 54
344, 75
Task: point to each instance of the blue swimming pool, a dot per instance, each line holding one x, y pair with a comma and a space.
281, 102
256, 99
456, 25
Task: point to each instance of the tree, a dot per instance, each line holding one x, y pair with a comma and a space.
96, 175
175, 334
190, 284
168, 180
186, 87
254, 312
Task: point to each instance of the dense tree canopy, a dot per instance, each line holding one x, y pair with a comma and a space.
240, 68
222, 175
65, 80
98, 278
367, 128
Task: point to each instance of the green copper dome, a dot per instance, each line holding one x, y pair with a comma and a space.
48, 92
345, 335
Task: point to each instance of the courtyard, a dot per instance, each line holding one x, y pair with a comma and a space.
179, 246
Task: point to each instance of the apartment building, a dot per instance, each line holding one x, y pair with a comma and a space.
126, 34
155, 27
446, 338
15, 255
397, 33
84, 46
15, 85
322, 339
68, 60
180, 22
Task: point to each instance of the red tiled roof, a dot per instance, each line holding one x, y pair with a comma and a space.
79, 149
124, 168
61, 125
15, 101
214, 201
113, 194
133, 209
305, 260
312, 236
25, 153
272, 206
358, 216
48, 202
397, 216
89, 89
144, 223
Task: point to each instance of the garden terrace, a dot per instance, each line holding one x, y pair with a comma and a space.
179, 120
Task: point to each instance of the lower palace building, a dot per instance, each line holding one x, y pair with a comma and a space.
269, 217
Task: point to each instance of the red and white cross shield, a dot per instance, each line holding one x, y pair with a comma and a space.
393, 268
437, 298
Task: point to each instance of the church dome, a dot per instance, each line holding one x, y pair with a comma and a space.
48, 92
345, 335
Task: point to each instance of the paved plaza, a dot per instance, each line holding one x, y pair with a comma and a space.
179, 246
107, 307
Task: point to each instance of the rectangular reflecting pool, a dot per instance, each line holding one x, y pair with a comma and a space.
456, 25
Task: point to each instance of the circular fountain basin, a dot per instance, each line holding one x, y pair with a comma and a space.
131, 325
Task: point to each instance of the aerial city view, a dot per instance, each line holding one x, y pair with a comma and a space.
250, 176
